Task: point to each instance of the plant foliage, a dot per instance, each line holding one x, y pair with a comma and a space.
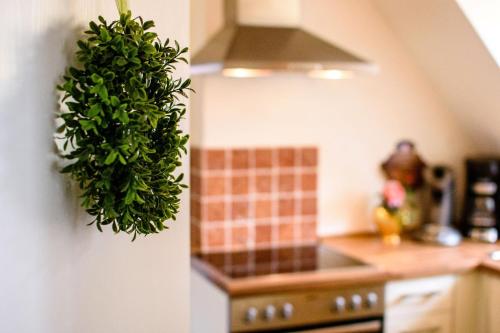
120, 131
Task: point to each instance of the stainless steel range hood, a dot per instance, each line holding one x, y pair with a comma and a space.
242, 50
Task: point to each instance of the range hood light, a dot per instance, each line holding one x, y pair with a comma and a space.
331, 74
245, 72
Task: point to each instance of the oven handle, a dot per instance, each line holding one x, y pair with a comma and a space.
365, 327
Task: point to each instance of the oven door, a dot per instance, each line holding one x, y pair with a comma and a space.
373, 326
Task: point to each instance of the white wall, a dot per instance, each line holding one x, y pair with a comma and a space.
446, 46
57, 274
354, 122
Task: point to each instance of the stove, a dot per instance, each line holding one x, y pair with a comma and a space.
297, 259
353, 308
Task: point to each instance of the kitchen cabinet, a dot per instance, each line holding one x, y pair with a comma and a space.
490, 298
477, 303
423, 305
444, 304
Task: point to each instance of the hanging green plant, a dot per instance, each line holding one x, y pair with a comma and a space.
120, 132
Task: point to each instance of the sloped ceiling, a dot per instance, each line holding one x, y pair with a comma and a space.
454, 57
484, 15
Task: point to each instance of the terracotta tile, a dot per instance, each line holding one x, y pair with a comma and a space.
286, 207
239, 185
309, 206
195, 159
286, 232
214, 185
263, 234
215, 159
308, 231
240, 258
216, 259
195, 209
263, 158
241, 273
263, 208
285, 267
286, 182
308, 182
263, 269
240, 159
195, 237
286, 157
214, 211
309, 156
264, 256
263, 183
309, 265
239, 237
195, 184
239, 210
308, 253
215, 237
286, 254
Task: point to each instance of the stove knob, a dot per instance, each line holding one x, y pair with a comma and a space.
269, 312
287, 310
356, 302
251, 314
339, 304
371, 300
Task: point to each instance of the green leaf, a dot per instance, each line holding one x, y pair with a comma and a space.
96, 78
148, 25
104, 34
149, 36
93, 26
149, 49
123, 116
121, 61
94, 110
122, 159
103, 92
111, 157
130, 196
87, 124
135, 60
114, 101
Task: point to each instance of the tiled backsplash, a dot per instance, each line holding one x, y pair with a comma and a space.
253, 198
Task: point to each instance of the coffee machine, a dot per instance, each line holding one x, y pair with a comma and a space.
439, 201
482, 199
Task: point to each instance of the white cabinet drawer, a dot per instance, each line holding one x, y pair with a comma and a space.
436, 323
425, 295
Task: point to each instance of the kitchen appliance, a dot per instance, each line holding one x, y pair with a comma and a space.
482, 199
354, 308
440, 193
246, 49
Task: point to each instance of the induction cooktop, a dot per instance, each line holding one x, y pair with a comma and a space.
296, 259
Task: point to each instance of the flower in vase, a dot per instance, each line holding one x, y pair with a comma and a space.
394, 194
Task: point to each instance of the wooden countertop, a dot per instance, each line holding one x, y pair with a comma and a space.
413, 259
408, 260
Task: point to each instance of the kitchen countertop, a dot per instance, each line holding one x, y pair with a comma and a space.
408, 260
413, 259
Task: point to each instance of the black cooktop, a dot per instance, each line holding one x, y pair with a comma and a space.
259, 262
